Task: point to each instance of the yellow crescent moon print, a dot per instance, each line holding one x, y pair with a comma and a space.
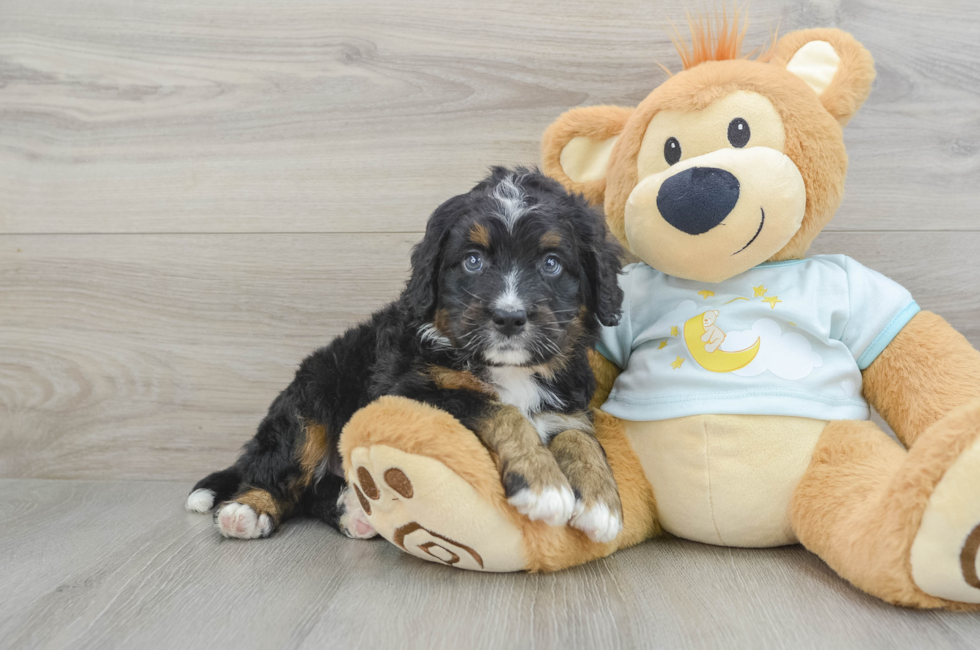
719, 360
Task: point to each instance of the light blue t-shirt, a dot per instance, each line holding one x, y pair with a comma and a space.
783, 338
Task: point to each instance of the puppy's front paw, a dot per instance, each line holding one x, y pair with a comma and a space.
598, 509
600, 522
353, 520
239, 520
552, 505
539, 491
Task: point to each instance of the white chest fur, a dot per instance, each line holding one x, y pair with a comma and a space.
517, 386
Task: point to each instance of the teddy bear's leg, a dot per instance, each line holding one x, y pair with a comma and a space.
428, 486
901, 525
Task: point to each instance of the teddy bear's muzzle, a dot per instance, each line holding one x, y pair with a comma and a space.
743, 205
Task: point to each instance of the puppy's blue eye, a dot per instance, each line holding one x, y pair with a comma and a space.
551, 265
473, 263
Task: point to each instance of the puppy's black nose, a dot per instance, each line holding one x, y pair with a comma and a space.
509, 321
697, 199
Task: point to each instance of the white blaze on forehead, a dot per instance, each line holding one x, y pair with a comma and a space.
510, 299
511, 200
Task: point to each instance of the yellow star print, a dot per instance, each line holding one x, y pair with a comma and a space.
759, 291
662, 345
772, 300
706, 294
677, 363
673, 330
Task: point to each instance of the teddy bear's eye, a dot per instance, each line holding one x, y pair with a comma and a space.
738, 132
672, 150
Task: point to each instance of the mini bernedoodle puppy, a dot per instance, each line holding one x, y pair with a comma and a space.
507, 292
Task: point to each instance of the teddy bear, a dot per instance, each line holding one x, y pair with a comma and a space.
713, 335
756, 435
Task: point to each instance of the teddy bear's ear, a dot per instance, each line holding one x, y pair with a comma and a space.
576, 148
833, 64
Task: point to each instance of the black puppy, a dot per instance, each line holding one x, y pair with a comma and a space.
507, 292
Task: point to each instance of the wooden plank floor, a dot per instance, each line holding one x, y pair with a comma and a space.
193, 195
103, 565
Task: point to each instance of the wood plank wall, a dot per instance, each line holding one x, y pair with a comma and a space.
194, 195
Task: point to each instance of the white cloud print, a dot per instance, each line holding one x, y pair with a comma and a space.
678, 316
788, 356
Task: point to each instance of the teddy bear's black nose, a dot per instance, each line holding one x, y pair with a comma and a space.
697, 199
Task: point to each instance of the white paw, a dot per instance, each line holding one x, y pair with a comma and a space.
553, 505
239, 520
354, 522
598, 522
200, 501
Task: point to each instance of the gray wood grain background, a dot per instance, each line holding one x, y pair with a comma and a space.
195, 195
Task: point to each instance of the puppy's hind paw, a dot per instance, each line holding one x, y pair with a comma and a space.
598, 521
239, 520
200, 501
353, 520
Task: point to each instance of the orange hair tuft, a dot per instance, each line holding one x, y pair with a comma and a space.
716, 39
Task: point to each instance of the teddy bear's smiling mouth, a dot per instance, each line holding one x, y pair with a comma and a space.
756, 235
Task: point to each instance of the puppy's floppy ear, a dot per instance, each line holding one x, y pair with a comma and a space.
420, 293
601, 265
833, 64
608, 294
576, 148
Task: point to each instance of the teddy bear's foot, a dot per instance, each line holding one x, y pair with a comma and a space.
429, 511
944, 554
429, 486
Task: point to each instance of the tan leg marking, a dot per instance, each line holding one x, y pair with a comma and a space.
598, 510
261, 502
313, 452
533, 482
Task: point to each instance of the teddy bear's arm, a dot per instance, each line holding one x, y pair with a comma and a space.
927, 370
605, 376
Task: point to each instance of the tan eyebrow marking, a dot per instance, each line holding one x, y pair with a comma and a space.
480, 235
550, 239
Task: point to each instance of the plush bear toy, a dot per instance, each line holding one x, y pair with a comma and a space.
735, 392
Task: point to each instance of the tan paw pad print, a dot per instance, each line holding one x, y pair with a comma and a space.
429, 511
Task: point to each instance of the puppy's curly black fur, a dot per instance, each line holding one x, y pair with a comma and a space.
507, 292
